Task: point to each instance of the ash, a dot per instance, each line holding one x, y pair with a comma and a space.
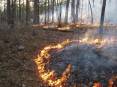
89, 63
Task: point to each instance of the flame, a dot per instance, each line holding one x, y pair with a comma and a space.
64, 28
110, 83
97, 84
46, 26
97, 42
49, 76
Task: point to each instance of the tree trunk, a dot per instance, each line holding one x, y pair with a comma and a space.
102, 17
66, 14
73, 11
60, 13
45, 12
27, 12
77, 8
48, 10
19, 10
53, 2
11, 12
36, 12
91, 12
8, 11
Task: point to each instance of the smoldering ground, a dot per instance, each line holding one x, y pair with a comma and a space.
90, 62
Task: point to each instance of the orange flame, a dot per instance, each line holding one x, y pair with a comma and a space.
97, 84
49, 76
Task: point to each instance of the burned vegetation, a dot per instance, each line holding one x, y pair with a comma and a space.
58, 43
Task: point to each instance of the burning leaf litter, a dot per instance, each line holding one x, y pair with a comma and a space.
49, 76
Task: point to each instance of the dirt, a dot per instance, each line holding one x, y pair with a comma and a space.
17, 50
88, 63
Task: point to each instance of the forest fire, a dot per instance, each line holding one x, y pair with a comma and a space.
49, 76
98, 42
43, 59
88, 59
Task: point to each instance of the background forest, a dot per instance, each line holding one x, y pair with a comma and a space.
58, 43
56, 11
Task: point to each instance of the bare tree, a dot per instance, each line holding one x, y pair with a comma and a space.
53, 4
20, 10
48, 10
77, 8
27, 11
9, 11
66, 13
36, 12
60, 14
91, 11
73, 11
45, 3
102, 17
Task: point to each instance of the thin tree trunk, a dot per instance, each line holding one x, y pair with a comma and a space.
48, 10
91, 12
14, 11
77, 8
53, 2
73, 11
45, 12
8, 11
27, 12
60, 13
19, 10
66, 13
12, 15
36, 12
102, 17
23, 17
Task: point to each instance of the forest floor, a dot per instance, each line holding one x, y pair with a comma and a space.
17, 50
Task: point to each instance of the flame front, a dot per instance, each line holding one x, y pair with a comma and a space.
48, 76
42, 59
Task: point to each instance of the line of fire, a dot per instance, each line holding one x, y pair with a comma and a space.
58, 43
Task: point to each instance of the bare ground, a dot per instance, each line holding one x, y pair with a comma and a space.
17, 49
